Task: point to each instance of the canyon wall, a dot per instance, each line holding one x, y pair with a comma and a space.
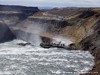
11, 16
76, 25
73, 23
80, 25
5, 33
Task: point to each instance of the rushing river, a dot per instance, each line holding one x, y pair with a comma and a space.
30, 60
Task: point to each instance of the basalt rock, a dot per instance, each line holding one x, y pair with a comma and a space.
24, 44
5, 33
12, 15
53, 45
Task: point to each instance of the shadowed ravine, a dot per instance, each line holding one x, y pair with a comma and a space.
31, 60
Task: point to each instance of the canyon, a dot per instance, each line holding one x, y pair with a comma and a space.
80, 25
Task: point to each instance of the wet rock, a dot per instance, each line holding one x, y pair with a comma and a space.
5, 33
72, 46
54, 45
24, 44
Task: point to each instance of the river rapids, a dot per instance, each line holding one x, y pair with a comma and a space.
31, 60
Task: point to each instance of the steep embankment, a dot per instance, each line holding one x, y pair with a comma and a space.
83, 27
92, 44
10, 16
74, 25
5, 33
41, 27
86, 31
78, 22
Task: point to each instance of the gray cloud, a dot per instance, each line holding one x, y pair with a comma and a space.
53, 3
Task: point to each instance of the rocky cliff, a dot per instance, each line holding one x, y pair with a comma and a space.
80, 25
92, 44
10, 16
5, 33
73, 23
18, 9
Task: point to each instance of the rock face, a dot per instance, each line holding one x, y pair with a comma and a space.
77, 26
30, 28
10, 16
92, 44
85, 30
21, 9
5, 33
79, 22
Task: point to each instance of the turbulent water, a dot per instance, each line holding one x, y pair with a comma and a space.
30, 60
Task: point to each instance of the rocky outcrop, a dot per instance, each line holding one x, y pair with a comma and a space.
36, 26
86, 14
79, 22
12, 15
5, 33
19, 9
76, 28
92, 44
85, 30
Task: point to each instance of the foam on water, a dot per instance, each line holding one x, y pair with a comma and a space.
61, 39
30, 60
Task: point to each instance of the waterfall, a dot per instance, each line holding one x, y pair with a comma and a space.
31, 60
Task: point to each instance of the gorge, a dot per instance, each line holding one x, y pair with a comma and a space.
77, 28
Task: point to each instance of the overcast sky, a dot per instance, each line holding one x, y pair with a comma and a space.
53, 3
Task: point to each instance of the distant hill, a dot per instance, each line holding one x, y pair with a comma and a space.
11, 14
23, 9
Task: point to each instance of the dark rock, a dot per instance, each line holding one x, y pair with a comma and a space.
87, 14
72, 46
96, 26
53, 45
24, 44
46, 39
26, 10
5, 33
12, 15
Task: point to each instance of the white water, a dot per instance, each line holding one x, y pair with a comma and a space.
30, 60
63, 40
